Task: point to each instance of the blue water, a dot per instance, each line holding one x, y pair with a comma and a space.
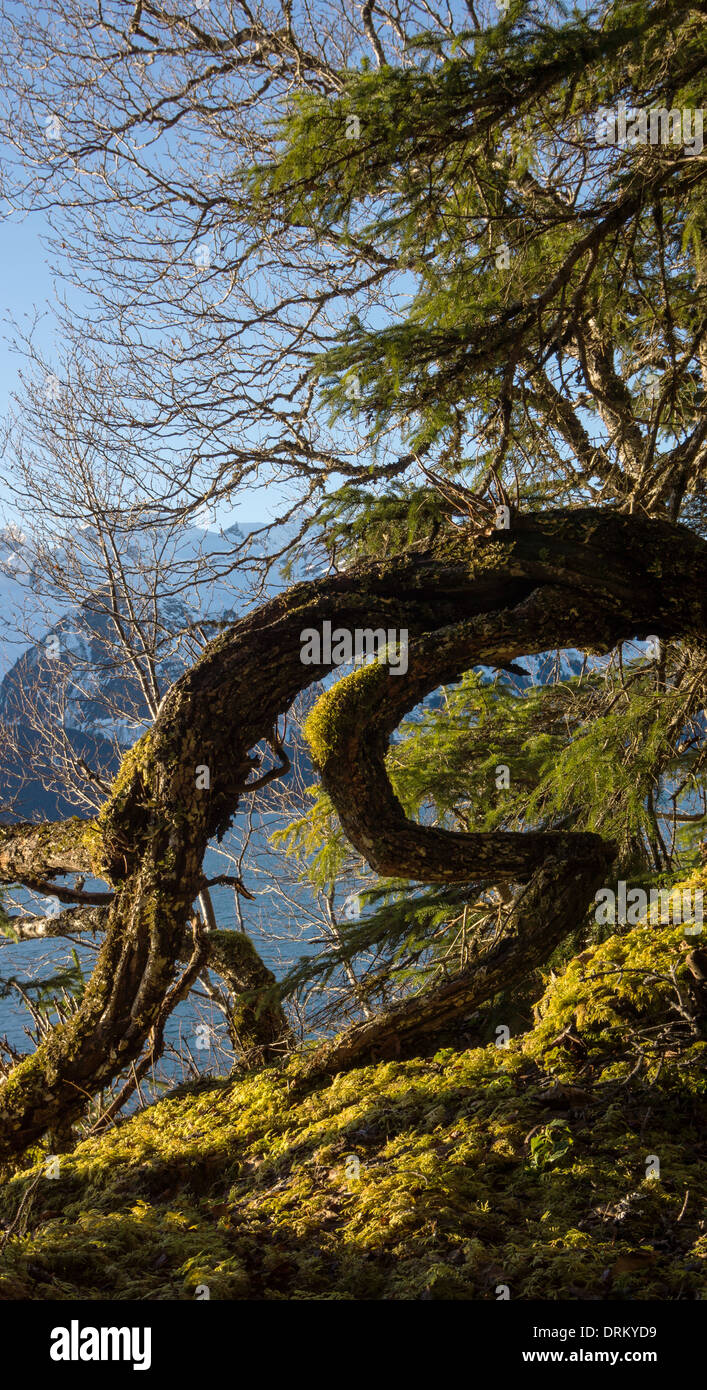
283, 929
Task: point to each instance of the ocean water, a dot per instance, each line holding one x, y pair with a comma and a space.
283, 921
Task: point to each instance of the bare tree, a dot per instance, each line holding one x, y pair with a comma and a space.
136, 607
194, 349
222, 252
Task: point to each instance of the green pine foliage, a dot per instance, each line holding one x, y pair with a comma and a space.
536, 337
475, 184
606, 751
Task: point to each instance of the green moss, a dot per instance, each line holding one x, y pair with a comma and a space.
406, 1180
138, 761
55, 835
102, 837
93, 841
327, 725
631, 980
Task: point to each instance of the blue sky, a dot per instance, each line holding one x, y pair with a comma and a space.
25, 281
26, 286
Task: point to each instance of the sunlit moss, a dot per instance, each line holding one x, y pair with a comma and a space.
406, 1180
327, 725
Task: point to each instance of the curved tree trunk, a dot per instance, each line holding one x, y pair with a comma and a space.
567, 578
545, 912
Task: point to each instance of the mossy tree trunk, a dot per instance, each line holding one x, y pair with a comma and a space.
579, 578
257, 1024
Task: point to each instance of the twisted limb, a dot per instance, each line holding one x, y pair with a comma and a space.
348, 732
588, 579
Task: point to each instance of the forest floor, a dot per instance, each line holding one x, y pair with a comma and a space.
571, 1163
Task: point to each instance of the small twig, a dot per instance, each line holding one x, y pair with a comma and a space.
68, 895
32, 1187
234, 881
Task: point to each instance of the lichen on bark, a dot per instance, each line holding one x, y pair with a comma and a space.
582, 578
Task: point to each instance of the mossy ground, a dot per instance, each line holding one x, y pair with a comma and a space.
523, 1166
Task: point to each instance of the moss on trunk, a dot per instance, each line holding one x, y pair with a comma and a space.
586, 577
430, 1178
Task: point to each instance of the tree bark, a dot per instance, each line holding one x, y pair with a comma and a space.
545, 912
582, 578
258, 1025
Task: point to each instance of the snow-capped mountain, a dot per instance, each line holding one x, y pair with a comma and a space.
65, 660
195, 578
48, 644
22, 619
